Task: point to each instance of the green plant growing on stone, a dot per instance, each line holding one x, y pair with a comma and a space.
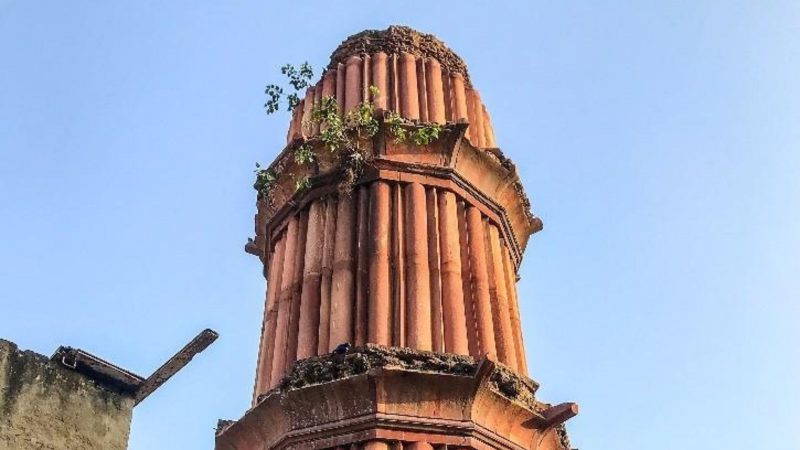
274, 94
341, 134
397, 126
333, 132
265, 181
362, 117
304, 155
302, 183
427, 134
362, 120
405, 131
298, 79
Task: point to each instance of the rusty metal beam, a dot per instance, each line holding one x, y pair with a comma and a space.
176, 363
98, 369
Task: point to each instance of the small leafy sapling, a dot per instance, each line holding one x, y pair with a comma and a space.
302, 183
298, 80
265, 181
340, 134
274, 94
405, 131
304, 155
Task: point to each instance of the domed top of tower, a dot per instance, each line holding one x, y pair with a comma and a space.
414, 75
399, 39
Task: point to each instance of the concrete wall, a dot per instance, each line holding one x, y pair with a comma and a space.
44, 406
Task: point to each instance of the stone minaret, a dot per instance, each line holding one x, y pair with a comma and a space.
414, 265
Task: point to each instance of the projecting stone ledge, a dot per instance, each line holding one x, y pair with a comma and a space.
487, 180
388, 394
330, 367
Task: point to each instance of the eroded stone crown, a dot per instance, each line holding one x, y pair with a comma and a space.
399, 39
414, 75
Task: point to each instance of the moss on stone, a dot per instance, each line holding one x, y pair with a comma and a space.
360, 360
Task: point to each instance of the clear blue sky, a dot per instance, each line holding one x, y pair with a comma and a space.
659, 141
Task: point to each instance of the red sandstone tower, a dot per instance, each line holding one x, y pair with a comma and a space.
415, 265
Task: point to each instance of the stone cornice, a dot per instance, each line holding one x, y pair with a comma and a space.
486, 179
376, 392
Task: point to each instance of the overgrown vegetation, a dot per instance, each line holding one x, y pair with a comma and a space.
339, 134
265, 181
298, 79
405, 131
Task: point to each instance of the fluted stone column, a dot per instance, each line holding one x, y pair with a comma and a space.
419, 255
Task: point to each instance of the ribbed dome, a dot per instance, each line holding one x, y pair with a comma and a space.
416, 75
399, 39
